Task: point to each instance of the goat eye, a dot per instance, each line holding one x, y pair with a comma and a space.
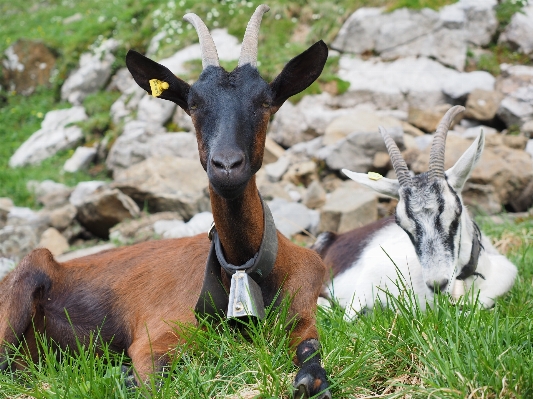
193, 106
266, 105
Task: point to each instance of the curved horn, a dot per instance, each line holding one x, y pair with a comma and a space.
249, 43
207, 45
398, 163
436, 156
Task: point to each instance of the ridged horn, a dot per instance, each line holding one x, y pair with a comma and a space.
249, 43
398, 163
436, 156
207, 45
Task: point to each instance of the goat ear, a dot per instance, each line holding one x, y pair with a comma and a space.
383, 185
143, 70
459, 173
299, 73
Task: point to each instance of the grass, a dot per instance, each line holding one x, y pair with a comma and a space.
449, 351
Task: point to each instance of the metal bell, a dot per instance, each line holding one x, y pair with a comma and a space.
245, 297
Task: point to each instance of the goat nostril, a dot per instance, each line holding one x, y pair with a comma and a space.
228, 161
438, 286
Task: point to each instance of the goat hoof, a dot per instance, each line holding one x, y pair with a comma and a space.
307, 386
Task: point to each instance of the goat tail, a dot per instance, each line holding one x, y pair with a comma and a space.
323, 242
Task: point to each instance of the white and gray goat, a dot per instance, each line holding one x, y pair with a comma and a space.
432, 241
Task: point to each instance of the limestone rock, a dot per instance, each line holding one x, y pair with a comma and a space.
292, 218
133, 231
301, 173
155, 111
55, 135
347, 208
199, 223
428, 119
5, 205
519, 32
83, 190
52, 240
17, 241
273, 151
92, 74
357, 151
275, 170
80, 160
104, 209
315, 196
482, 105
61, 218
167, 184
27, 64
140, 141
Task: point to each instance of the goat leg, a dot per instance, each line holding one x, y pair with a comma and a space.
311, 379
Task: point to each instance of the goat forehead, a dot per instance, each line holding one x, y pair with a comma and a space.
241, 85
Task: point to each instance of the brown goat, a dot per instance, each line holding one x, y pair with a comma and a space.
133, 294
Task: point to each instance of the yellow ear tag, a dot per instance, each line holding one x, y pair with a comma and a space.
374, 176
158, 87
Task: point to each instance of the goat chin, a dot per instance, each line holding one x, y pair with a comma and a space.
373, 277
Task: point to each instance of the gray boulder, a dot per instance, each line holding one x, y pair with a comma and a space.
199, 223
55, 135
104, 209
519, 32
292, 218
17, 241
80, 160
132, 231
141, 140
54, 241
156, 111
6, 265
92, 75
167, 184
83, 190
348, 207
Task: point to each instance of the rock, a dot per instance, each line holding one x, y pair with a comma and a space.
304, 121
52, 240
519, 33
80, 160
167, 184
27, 64
17, 241
347, 208
315, 196
416, 82
529, 147
133, 231
53, 136
20, 216
482, 105
5, 206
276, 170
141, 140
515, 112
292, 218
199, 223
104, 209
73, 18
428, 119
92, 74
360, 121
358, 34
381, 160
153, 110
182, 120
83, 190
61, 218
482, 198
411, 130
524, 201
84, 252
273, 151
527, 129
357, 151
271, 190
301, 173
473, 132
481, 22
6, 265
508, 170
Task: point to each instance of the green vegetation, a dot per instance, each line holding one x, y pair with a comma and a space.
419, 4
450, 351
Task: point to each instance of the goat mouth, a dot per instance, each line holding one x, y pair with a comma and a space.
229, 189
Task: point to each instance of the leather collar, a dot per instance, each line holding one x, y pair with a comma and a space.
213, 297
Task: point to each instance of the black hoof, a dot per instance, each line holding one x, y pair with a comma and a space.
307, 386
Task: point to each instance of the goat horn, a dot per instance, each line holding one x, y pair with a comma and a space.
436, 156
207, 45
398, 163
249, 43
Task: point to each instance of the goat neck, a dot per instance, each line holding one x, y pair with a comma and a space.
239, 223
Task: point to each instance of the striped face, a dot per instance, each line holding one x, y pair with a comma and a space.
430, 213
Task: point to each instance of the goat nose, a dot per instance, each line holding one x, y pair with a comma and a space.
228, 161
437, 286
